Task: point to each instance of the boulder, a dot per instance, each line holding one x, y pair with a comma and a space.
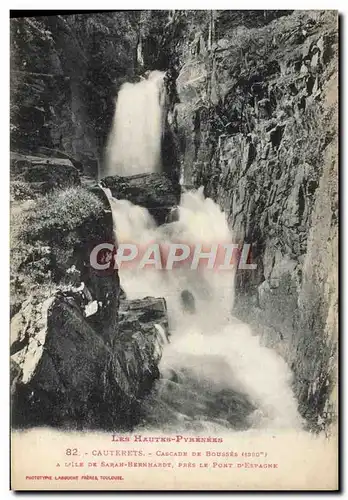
43, 174
156, 192
66, 374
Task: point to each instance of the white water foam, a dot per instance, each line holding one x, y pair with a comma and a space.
134, 144
210, 350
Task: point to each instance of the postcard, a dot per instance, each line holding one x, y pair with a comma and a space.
174, 250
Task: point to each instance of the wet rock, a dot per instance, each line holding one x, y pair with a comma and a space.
156, 192
261, 153
188, 301
66, 374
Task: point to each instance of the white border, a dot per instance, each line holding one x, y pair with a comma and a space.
178, 4
4, 196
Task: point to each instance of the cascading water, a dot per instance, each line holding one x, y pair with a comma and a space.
214, 373
134, 144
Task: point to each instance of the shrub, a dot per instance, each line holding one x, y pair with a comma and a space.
62, 211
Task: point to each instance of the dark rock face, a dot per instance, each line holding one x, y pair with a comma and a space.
41, 175
73, 361
67, 374
65, 73
156, 192
74, 364
257, 123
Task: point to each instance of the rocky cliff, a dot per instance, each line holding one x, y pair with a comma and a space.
65, 73
253, 118
81, 355
257, 123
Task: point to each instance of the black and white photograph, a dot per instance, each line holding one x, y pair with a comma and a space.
174, 249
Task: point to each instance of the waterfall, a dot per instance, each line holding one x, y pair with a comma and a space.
134, 143
215, 372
